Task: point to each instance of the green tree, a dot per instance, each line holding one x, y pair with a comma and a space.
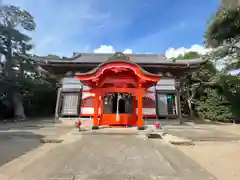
12, 40
223, 27
188, 87
189, 55
223, 35
207, 92
193, 84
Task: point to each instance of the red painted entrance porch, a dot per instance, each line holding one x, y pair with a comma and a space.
116, 79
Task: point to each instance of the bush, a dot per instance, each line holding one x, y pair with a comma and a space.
215, 107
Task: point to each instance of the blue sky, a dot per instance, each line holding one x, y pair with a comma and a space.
140, 26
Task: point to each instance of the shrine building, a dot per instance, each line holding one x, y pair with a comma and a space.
119, 89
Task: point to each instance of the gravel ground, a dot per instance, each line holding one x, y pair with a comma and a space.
219, 158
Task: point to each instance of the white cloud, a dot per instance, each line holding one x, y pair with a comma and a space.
128, 51
172, 52
104, 49
110, 49
67, 27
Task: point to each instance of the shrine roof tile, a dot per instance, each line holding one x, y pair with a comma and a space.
98, 58
137, 58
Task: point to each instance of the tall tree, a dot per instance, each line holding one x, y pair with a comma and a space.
189, 87
194, 84
12, 20
223, 35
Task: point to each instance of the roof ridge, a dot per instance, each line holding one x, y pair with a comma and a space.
126, 54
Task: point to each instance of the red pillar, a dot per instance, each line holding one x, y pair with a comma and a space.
140, 122
96, 109
134, 105
100, 105
134, 109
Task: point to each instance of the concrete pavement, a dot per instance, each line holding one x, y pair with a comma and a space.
98, 156
219, 158
216, 147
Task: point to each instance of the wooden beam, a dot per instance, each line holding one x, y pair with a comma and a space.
179, 109
113, 89
59, 92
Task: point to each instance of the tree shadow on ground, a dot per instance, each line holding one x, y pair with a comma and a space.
32, 124
204, 121
15, 144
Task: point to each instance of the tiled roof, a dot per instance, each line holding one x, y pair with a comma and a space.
136, 58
